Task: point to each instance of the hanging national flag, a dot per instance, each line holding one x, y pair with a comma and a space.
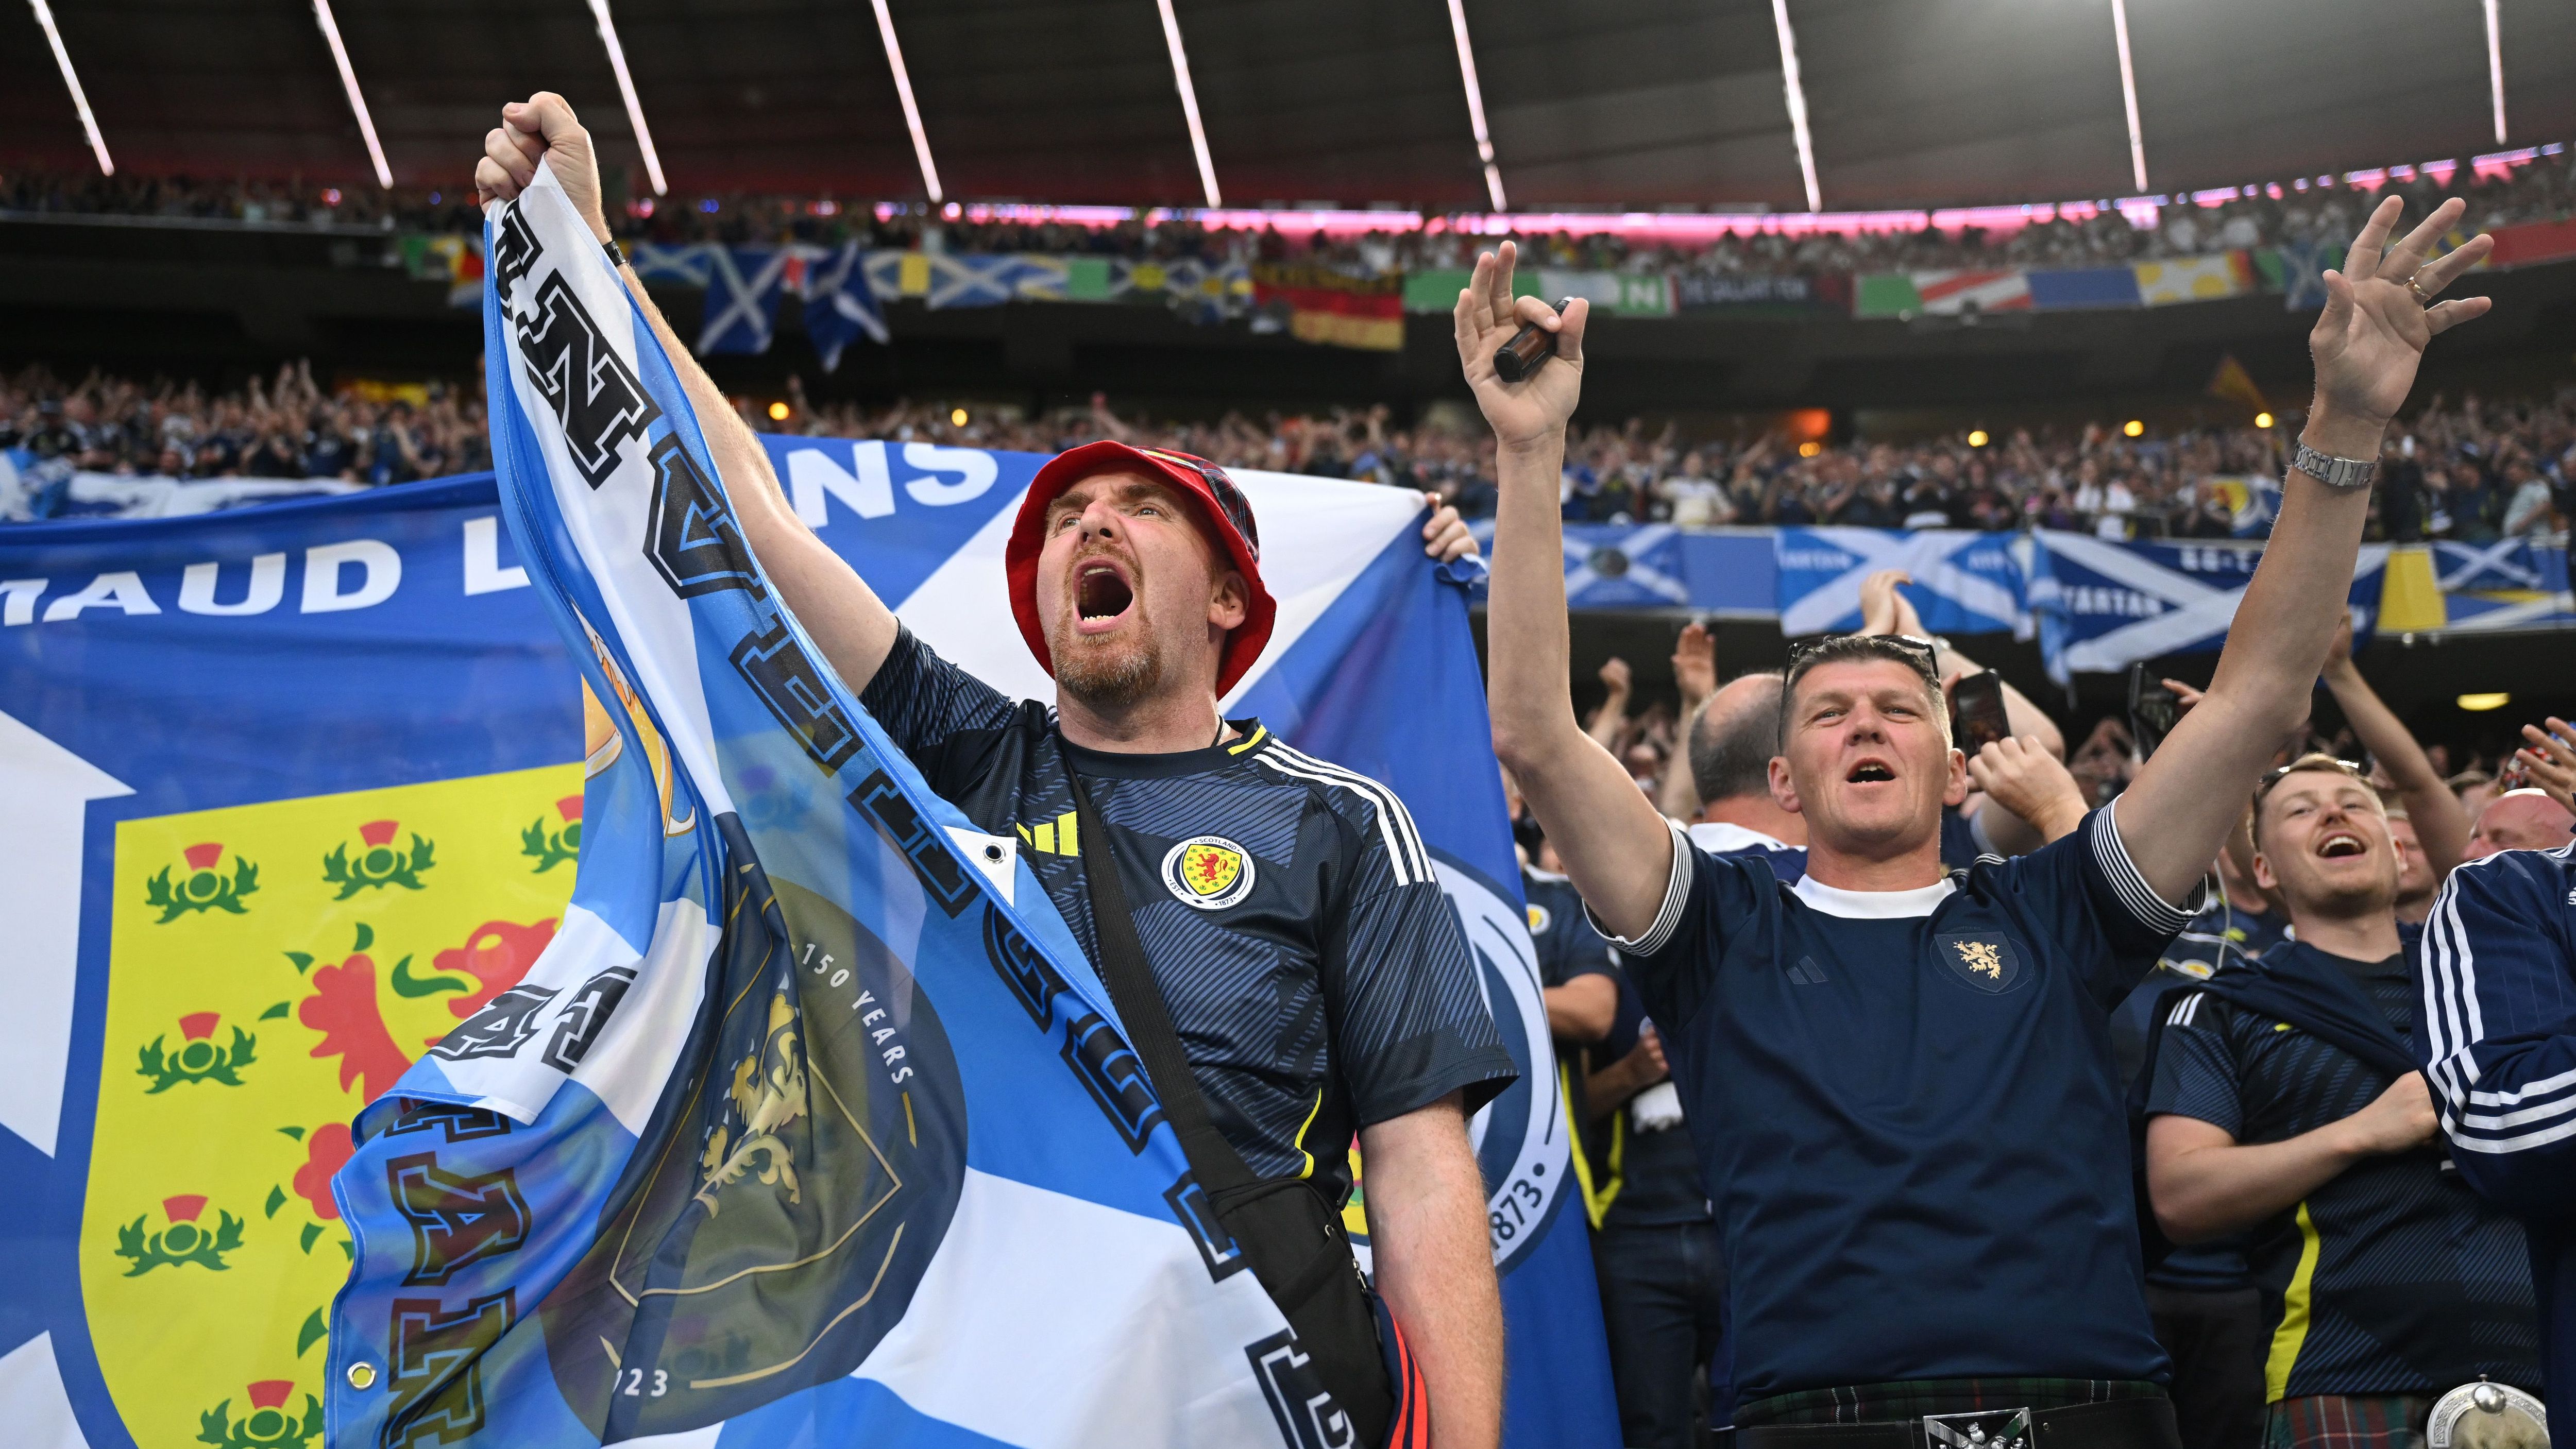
2103, 605
2194, 279
1964, 583
1954, 293
841, 307
2078, 288
1328, 307
1886, 294
743, 284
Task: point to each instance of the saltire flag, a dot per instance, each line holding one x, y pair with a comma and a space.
1954, 293
841, 307
743, 286
1964, 583
545, 1216
2103, 605
811, 1114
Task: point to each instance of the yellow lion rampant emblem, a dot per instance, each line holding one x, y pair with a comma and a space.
1983, 957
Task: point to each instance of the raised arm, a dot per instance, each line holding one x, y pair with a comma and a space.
1605, 830
2367, 344
2439, 821
836, 606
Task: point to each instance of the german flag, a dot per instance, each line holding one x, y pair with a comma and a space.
1328, 307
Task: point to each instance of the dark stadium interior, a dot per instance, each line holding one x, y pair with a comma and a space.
1645, 103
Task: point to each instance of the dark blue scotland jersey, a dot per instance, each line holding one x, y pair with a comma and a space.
2496, 1027
1907, 1113
1315, 972
2392, 1278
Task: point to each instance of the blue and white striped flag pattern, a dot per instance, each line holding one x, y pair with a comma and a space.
812, 1125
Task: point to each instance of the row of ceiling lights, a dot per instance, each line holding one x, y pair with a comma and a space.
1791, 82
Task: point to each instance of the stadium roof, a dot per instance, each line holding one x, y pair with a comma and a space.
1640, 103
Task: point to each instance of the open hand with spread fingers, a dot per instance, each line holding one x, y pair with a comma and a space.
2380, 313
1533, 411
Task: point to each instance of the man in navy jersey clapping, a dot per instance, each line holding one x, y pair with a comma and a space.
1899, 1081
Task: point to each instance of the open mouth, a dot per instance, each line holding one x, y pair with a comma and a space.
1101, 594
2342, 845
1869, 772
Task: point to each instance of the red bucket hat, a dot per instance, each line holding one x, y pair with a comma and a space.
1224, 516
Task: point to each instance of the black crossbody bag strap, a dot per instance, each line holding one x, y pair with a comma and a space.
1213, 1160
1282, 1226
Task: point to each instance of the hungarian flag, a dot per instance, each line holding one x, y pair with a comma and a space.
1328, 307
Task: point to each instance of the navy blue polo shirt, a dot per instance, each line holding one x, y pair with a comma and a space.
1907, 1112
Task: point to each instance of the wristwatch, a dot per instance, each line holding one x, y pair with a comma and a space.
2340, 474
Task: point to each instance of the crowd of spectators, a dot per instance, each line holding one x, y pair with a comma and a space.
285, 428
2471, 471
2305, 209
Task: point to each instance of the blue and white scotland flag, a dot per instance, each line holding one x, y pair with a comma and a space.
841, 307
2103, 605
743, 286
1964, 583
811, 1124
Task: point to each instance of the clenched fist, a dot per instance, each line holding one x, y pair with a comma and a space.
541, 128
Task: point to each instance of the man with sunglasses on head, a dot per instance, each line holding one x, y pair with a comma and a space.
2285, 1106
1900, 1081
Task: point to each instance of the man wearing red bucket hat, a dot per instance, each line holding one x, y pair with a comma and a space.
1270, 925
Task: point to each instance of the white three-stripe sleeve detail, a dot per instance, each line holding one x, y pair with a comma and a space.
1407, 867
1392, 807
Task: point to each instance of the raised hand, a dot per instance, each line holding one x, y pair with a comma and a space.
1533, 410
542, 127
2379, 315
1615, 677
2550, 761
1695, 663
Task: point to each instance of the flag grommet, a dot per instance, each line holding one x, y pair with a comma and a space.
362, 1375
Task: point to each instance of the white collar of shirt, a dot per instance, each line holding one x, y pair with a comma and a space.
1717, 837
1873, 905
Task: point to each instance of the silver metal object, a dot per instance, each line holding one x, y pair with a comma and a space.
1984, 1429
2343, 474
2486, 1415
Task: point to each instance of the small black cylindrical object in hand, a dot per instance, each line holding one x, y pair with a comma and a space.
1529, 347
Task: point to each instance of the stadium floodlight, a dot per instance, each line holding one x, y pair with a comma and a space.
1796, 87
2129, 97
2495, 66
71, 78
911, 112
1476, 104
626, 88
1189, 103
349, 83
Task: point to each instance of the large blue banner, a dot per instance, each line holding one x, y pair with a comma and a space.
300, 791
2103, 605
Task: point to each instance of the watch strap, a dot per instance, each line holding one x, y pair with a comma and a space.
616, 255
2342, 474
